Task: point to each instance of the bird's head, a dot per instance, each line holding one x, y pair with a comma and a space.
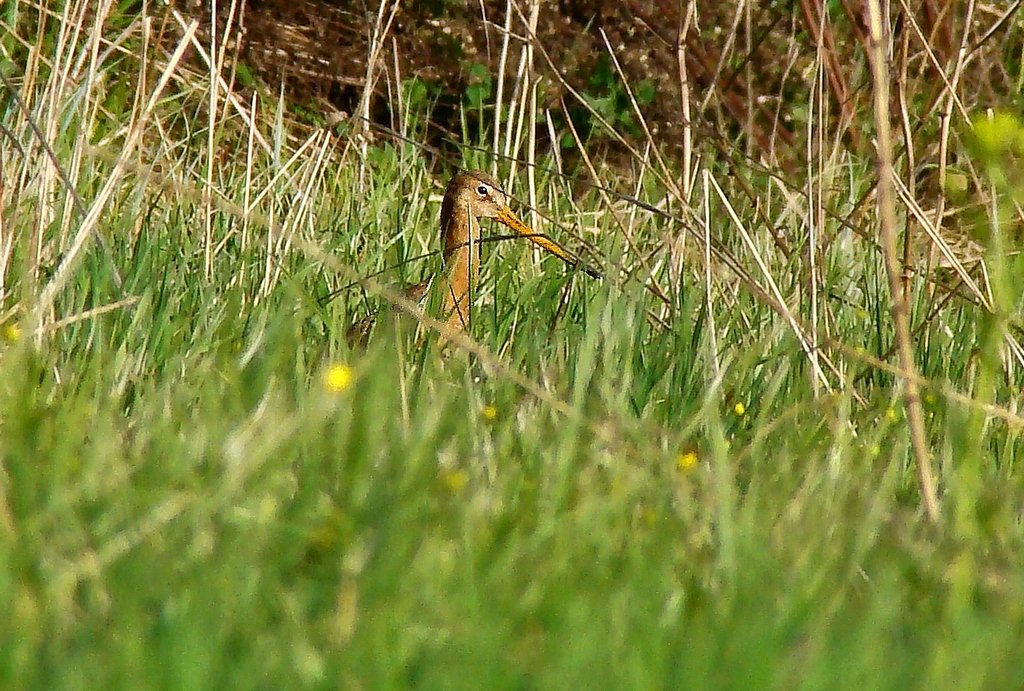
475, 194
482, 196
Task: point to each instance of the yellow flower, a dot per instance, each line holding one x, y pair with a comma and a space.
648, 516
455, 480
686, 460
12, 332
997, 133
739, 409
891, 415
339, 378
489, 413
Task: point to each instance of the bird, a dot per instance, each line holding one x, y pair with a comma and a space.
470, 196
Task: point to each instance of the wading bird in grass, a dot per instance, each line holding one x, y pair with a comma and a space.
470, 196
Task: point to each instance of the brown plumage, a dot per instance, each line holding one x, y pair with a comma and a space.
470, 196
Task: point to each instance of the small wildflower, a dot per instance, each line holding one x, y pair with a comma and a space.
339, 378
12, 332
489, 413
739, 409
891, 415
647, 516
455, 480
875, 450
686, 460
997, 133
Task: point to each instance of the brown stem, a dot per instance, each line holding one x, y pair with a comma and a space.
887, 229
821, 33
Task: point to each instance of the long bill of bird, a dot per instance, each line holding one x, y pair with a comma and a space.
474, 195
471, 196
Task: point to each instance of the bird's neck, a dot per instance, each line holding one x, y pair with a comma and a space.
462, 263
457, 230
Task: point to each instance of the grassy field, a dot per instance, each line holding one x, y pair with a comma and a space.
652, 481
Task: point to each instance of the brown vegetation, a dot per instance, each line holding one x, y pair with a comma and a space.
752, 67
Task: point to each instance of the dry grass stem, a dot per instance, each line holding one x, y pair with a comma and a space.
887, 229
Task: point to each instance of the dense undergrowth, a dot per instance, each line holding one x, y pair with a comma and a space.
694, 473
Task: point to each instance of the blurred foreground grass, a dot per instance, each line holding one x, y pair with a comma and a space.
200, 490
204, 487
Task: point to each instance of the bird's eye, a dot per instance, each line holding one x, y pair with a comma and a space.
482, 190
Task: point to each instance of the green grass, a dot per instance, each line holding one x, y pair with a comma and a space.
185, 503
